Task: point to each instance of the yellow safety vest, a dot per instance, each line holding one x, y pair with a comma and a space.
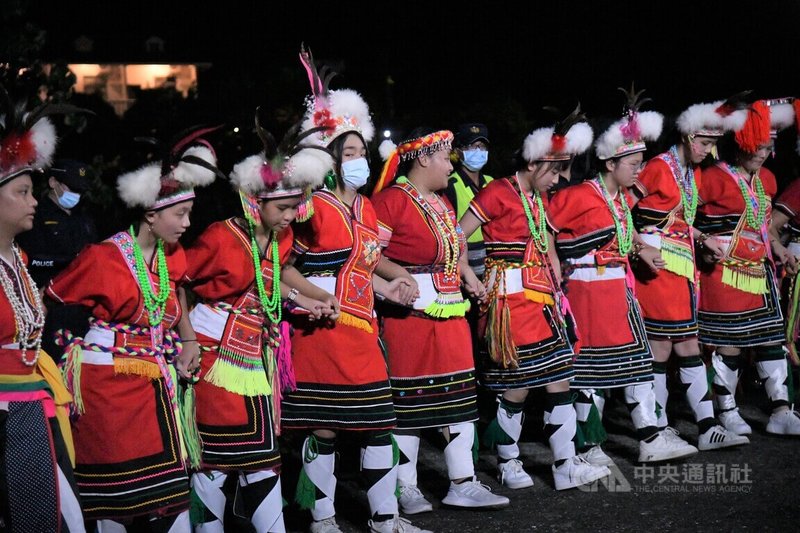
464, 196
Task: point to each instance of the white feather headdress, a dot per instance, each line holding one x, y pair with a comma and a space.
714, 119
570, 137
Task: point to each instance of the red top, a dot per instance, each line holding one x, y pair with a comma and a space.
100, 279
220, 262
8, 325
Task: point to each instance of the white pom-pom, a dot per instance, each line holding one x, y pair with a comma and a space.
781, 116
579, 138
608, 143
308, 168
140, 187
538, 144
386, 148
699, 117
735, 121
43, 136
192, 174
650, 124
246, 174
349, 105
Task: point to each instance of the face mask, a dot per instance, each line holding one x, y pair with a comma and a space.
69, 199
475, 159
355, 173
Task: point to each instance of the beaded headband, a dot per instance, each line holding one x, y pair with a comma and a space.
409, 150
628, 135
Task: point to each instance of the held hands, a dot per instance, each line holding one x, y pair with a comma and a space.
316, 308
786, 258
188, 362
715, 249
402, 290
651, 256
473, 285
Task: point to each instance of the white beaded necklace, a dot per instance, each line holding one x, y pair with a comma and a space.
29, 320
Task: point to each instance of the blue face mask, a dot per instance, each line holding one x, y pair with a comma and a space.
355, 173
69, 199
475, 159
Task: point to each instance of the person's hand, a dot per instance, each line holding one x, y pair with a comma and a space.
332, 304
785, 257
316, 309
473, 285
651, 256
188, 362
714, 248
402, 291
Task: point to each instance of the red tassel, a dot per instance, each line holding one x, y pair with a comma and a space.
755, 131
559, 143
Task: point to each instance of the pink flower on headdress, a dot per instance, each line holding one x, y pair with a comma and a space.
630, 130
270, 175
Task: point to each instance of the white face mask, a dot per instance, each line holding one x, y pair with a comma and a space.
355, 173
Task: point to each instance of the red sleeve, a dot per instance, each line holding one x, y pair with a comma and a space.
789, 201
650, 179
305, 233
200, 258
389, 211
485, 205
92, 279
769, 182
564, 208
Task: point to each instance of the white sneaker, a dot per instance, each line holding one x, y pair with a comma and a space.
785, 422
512, 475
596, 456
672, 434
577, 471
473, 494
665, 447
395, 525
412, 501
328, 525
733, 421
719, 437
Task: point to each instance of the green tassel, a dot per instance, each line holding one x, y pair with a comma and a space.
475, 444
306, 493
188, 423
495, 435
593, 431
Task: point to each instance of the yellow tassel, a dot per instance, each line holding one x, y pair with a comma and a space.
347, 319
72, 368
677, 262
752, 283
446, 310
136, 367
238, 380
47, 368
539, 297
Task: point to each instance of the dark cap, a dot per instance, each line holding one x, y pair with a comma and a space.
73, 174
467, 134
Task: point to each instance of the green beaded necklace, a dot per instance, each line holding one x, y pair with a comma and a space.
270, 304
753, 220
539, 233
624, 234
154, 303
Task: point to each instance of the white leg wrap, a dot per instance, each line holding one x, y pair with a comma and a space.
512, 426
381, 497
563, 421
644, 398
774, 373
662, 396
208, 487
70, 508
407, 472
182, 524
694, 378
724, 378
109, 526
458, 452
268, 516
320, 472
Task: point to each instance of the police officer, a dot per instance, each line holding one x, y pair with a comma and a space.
471, 147
60, 230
